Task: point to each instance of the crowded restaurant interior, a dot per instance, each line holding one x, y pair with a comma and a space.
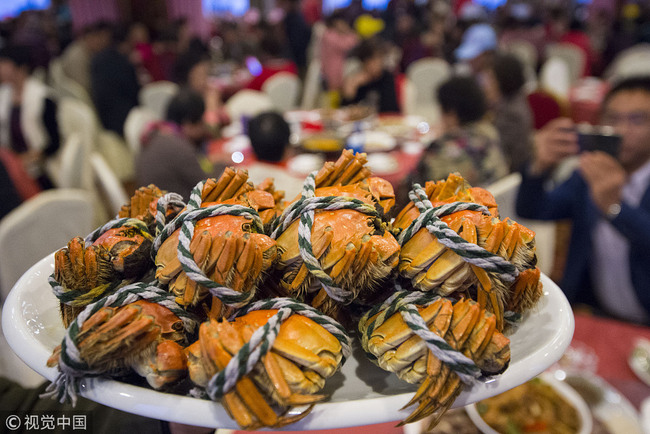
534, 114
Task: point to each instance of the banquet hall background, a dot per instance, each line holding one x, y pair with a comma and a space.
103, 76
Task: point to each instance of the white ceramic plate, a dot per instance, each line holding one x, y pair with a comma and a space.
361, 393
382, 163
563, 389
639, 360
304, 164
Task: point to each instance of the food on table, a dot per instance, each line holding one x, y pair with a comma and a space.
450, 344
331, 247
282, 386
227, 249
344, 248
454, 243
319, 143
534, 406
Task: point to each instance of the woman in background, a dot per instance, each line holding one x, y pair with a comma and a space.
28, 123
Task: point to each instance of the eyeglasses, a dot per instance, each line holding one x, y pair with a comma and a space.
637, 118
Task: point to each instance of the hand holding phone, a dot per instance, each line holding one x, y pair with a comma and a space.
599, 138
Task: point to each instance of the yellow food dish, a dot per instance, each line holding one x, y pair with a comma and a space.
533, 407
322, 144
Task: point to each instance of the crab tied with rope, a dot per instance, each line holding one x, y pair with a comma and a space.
454, 243
115, 254
216, 247
334, 243
268, 363
433, 341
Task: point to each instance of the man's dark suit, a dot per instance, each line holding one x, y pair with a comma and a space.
571, 200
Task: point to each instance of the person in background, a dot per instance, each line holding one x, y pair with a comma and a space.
297, 32
143, 56
77, 56
512, 114
114, 83
171, 155
476, 51
28, 113
337, 41
269, 135
271, 61
192, 70
373, 85
469, 144
608, 200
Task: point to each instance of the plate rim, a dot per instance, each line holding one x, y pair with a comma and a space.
214, 415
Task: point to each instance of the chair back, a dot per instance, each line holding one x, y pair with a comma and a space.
77, 117
108, 184
135, 124
573, 56
155, 96
555, 77
631, 62
247, 102
426, 75
40, 226
284, 89
74, 168
312, 88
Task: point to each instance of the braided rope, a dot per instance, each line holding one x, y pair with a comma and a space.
169, 200
72, 368
263, 338
186, 221
115, 224
304, 209
406, 302
474, 254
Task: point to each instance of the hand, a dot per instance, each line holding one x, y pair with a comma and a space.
553, 143
605, 178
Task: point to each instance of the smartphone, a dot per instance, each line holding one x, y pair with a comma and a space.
599, 138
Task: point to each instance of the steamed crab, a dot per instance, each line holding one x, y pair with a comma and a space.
464, 326
431, 266
142, 336
118, 256
143, 206
303, 355
230, 250
354, 249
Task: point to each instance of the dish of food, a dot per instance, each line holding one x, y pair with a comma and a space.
541, 404
360, 393
639, 360
321, 143
607, 405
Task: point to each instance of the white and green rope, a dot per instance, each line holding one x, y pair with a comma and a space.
406, 302
263, 338
429, 218
304, 209
72, 368
186, 221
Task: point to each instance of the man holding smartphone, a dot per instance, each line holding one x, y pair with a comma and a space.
608, 200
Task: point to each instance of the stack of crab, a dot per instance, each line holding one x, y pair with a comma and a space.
268, 279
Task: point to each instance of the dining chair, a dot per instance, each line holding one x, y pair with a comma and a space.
38, 227
247, 102
137, 120
108, 185
555, 77
574, 57
73, 169
311, 90
284, 89
155, 96
427, 74
631, 62
505, 193
76, 117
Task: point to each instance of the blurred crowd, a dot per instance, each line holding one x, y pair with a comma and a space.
493, 110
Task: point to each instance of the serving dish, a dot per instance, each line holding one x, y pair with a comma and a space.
562, 389
360, 394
